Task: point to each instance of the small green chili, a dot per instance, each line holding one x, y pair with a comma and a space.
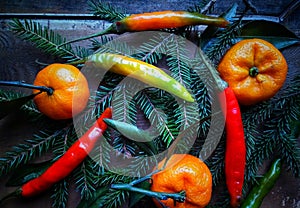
264, 186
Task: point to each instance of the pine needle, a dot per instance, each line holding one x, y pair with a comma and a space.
223, 41
24, 152
60, 194
46, 40
106, 11
28, 108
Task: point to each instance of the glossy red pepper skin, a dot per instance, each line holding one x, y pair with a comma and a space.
166, 19
235, 153
69, 161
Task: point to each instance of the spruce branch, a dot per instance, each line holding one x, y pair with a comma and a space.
288, 148
60, 194
29, 108
61, 189
107, 87
115, 198
46, 40
201, 92
216, 163
62, 144
100, 42
123, 102
287, 144
24, 152
154, 49
223, 41
116, 47
177, 61
86, 179
179, 66
106, 11
109, 178
165, 125
267, 129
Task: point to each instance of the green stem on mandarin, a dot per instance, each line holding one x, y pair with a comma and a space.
25, 85
254, 71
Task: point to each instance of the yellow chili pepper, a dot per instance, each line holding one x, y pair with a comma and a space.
141, 71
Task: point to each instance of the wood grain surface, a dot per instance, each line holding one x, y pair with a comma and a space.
18, 62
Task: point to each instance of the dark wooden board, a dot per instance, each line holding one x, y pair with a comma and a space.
18, 61
267, 7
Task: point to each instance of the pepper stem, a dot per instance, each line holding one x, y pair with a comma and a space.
178, 197
254, 71
109, 30
25, 85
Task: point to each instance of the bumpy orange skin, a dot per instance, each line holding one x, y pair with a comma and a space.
70, 95
184, 172
235, 66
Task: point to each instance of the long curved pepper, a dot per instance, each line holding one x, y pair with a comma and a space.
141, 71
166, 20
69, 161
235, 154
156, 21
264, 186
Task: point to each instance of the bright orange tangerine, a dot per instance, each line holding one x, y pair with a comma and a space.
70, 91
255, 70
184, 172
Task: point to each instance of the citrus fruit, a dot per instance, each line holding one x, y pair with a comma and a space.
255, 70
70, 91
184, 172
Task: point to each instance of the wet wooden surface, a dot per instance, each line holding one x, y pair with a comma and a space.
18, 62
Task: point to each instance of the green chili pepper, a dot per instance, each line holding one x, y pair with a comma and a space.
141, 71
143, 138
257, 194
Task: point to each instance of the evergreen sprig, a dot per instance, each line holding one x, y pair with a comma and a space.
60, 194
28, 108
30, 149
165, 124
106, 11
86, 178
267, 125
154, 49
223, 41
179, 65
47, 40
267, 128
100, 41
115, 198
61, 189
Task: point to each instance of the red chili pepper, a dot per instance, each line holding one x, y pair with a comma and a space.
69, 161
235, 154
